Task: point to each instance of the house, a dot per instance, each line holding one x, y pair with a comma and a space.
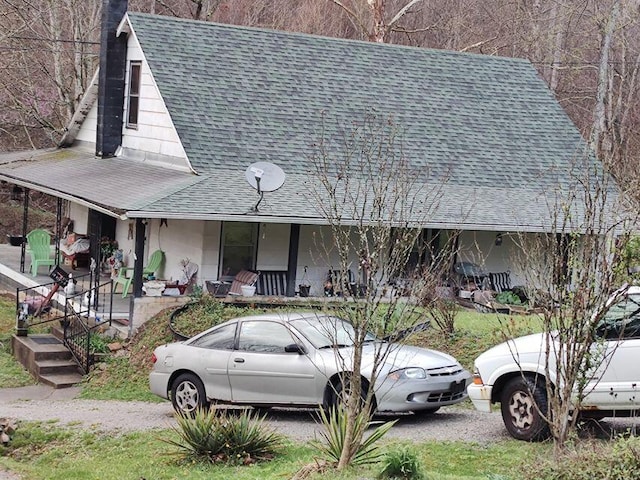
157, 154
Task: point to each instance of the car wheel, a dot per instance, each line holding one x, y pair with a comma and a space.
187, 394
519, 413
426, 411
342, 390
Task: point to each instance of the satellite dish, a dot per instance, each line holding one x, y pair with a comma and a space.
265, 176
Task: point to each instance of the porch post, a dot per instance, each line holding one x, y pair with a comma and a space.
58, 228
25, 221
292, 265
139, 257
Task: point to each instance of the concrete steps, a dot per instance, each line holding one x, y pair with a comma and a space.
47, 359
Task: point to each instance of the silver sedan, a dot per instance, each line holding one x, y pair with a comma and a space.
301, 360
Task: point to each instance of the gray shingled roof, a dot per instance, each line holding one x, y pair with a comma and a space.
116, 184
239, 95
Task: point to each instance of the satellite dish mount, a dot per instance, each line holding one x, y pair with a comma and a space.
264, 177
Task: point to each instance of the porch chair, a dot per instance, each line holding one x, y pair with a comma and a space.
155, 260
39, 246
221, 289
243, 277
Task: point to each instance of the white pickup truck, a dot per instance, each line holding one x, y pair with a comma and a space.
513, 373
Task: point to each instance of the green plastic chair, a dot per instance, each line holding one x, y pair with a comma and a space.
39, 243
155, 260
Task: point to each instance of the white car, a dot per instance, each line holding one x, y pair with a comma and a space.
298, 359
513, 373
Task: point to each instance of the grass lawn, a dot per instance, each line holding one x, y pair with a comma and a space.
44, 451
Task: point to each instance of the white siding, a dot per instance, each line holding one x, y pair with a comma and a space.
155, 139
211, 251
273, 246
87, 132
80, 216
479, 247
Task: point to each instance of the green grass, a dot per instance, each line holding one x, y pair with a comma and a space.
45, 451
12, 374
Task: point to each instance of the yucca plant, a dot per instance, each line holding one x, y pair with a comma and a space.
218, 436
401, 463
335, 423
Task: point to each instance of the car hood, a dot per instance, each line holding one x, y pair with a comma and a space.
399, 356
529, 344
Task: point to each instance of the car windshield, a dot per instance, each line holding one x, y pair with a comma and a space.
622, 319
326, 332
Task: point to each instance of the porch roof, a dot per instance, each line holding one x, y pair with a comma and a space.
111, 185
128, 188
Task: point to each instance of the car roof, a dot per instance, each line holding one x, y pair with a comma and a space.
282, 317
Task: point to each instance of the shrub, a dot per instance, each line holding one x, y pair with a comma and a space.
401, 462
222, 436
98, 343
335, 423
508, 298
617, 460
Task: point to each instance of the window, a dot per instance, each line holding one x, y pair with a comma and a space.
222, 338
239, 245
264, 337
133, 105
622, 320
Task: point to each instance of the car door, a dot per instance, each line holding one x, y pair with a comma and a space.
261, 371
618, 344
211, 358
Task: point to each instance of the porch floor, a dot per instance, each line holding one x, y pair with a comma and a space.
11, 278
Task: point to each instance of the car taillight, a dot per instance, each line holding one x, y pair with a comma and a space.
154, 359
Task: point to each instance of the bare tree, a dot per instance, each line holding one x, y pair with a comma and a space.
51, 53
372, 17
372, 199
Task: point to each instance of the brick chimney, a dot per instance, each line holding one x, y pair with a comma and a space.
113, 62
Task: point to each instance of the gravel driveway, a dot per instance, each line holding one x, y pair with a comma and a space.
41, 403
459, 422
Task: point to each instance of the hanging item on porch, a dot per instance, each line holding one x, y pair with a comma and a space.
304, 286
70, 287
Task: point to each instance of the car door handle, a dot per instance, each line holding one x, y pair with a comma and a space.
238, 360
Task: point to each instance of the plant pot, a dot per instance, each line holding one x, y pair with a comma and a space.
15, 240
248, 290
153, 288
304, 290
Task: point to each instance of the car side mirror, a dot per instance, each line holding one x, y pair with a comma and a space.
295, 348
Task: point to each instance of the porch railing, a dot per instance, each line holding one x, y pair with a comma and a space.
42, 304
82, 318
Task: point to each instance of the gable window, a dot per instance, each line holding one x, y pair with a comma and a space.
133, 105
239, 247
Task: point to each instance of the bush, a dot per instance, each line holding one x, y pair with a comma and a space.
508, 298
401, 462
222, 436
335, 423
617, 460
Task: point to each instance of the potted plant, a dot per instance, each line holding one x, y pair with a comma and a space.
107, 249
15, 240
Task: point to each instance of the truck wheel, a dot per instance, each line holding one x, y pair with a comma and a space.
518, 404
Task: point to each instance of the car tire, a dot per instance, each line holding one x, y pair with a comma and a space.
340, 392
518, 403
188, 394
